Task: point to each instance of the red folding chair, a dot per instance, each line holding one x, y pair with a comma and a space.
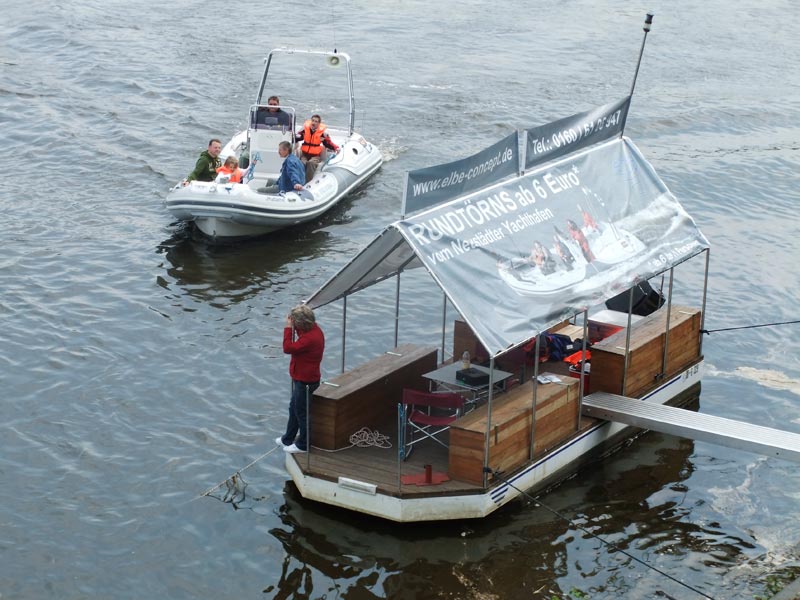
428, 415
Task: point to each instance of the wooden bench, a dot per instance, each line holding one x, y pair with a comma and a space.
510, 434
645, 364
367, 396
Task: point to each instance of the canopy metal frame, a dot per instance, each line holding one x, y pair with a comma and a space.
584, 312
333, 58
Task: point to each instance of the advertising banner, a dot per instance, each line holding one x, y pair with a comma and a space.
574, 133
434, 185
543, 247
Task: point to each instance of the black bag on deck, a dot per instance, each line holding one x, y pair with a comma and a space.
472, 376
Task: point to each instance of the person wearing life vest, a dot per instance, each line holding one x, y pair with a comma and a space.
230, 171
588, 222
579, 237
313, 138
540, 256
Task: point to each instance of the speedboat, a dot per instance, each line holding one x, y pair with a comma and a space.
612, 247
227, 211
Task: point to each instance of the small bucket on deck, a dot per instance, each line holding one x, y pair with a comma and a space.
575, 371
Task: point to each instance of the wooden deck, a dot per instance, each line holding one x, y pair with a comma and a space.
356, 395
380, 466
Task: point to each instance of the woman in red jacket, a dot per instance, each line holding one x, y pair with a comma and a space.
306, 352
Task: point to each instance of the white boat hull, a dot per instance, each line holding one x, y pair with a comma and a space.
232, 211
611, 247
548, 470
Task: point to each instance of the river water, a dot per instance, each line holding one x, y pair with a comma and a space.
141, 366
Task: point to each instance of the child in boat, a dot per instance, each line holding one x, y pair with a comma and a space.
229, 172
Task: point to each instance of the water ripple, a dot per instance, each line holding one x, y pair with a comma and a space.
141, 365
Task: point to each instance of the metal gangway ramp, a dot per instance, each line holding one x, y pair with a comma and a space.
693, 425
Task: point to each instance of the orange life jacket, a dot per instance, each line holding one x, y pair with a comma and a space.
235, 174
312, 141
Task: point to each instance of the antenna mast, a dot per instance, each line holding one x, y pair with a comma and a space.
648, 22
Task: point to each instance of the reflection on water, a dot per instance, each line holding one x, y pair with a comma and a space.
228, 274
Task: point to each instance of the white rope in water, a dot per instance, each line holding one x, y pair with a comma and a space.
363, 438
232, 478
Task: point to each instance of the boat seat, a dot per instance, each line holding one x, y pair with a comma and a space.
264, 144
262, 118
268, 123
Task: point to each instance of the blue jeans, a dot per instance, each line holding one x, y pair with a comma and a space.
298, 419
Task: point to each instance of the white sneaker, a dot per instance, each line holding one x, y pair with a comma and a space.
293, 449
279, 441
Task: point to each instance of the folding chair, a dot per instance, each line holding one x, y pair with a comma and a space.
428, 415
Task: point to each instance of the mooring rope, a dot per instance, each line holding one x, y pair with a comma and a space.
613, 547
707, 331
232, 479
363, 438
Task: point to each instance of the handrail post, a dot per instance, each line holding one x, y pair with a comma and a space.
488, 423
308, 428
705, 292
627, 341
535, 385
344, 328
401, 446
666, 328
583, 368
397, 310
444, 323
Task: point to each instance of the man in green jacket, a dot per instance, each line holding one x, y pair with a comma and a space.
207, 164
